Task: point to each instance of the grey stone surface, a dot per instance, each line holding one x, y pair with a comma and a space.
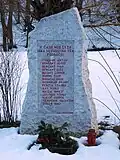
57, 38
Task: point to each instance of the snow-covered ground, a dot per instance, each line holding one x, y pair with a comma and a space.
14, 147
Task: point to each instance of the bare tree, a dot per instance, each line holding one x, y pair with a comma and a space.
100, 13
49, 7
10, 87
6, 11
93, 12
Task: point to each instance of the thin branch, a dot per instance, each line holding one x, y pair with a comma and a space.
108, 65
100, 35
107, 41
107, 73
109, 33
107, 107
110, 94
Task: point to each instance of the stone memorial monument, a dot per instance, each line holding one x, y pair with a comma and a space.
59, 89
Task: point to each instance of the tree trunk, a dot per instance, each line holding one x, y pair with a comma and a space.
10, 32
79, 5
18, 12
3, 26
4, 31
27, 20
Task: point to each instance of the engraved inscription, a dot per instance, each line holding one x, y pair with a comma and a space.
57, 76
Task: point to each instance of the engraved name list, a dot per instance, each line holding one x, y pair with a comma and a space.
57, 75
